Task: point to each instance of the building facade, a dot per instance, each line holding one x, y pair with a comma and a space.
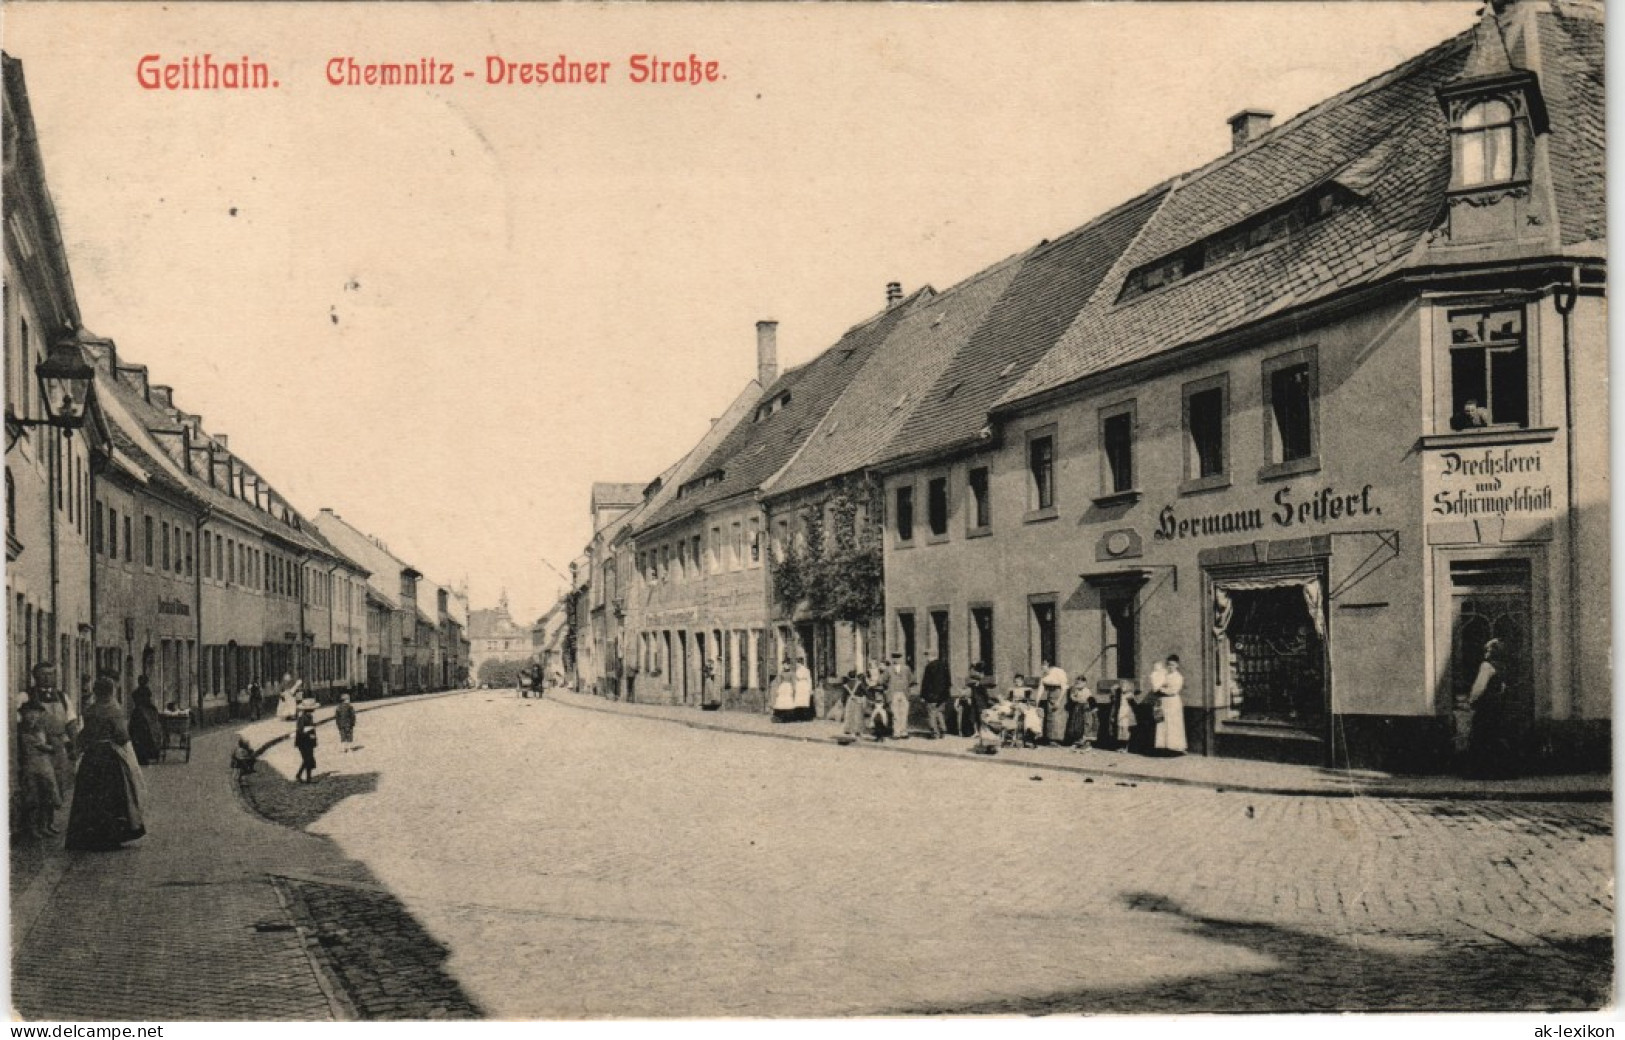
1318, 431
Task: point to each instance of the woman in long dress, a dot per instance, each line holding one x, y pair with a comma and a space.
802, 709
784, 695
108, 791
1489, 751
1168, 708
1052, 687
146, 728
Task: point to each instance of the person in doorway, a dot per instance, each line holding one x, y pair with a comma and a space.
256, 702
936, 688
146, 728
1052, 688
344, 720
108, 792
1168, 709
304, 740
1489, 745
41, 797
899, 682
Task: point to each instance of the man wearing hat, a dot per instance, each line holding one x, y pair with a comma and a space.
899, 679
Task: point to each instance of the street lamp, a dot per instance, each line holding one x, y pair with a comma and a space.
65, 380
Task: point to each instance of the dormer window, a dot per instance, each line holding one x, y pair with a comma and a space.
1486, 149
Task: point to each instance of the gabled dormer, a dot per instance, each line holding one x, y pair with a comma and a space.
1496, 116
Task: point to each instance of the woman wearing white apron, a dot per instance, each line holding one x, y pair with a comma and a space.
784, 694
1169, 707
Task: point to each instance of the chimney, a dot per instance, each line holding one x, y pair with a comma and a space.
1248, 125
134, 377
767, 353
894, 293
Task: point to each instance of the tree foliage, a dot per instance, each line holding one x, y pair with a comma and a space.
496, 672
838, 574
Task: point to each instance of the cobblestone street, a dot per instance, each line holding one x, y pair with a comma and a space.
531, 859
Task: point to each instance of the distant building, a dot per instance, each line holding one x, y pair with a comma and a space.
494, 636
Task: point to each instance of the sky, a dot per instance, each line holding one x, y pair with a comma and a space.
445, 311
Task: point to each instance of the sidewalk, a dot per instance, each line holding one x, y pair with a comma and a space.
1224, 774
191, 923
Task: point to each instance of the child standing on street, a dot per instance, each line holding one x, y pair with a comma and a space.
344, 719
41, 796
304, 738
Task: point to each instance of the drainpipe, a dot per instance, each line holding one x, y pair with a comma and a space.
1566, 299
197, 607
53, 488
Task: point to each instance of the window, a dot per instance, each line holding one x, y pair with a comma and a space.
96, 539
981, 630
1205, 435
1289, 405
736, 553
129, 541
781, 541
755, 541
1117, 448
219, 559
231, 561
112, 533
165, 556
1042, 636
980, 515
905, 513
1489, 369
208, 572
147, 522
936, 505
188, 554
1484, 144
1291, 386
1041, 473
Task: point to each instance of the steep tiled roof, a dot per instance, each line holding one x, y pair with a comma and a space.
1053, 283
151, 455
607, 494
897, 378
738, 410
756, 449
1571, 77
1386, 142
1397, 114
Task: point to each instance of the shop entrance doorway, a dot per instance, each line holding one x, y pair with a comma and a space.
1490, 599
1271, 662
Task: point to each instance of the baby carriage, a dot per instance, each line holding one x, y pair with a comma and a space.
1000, 727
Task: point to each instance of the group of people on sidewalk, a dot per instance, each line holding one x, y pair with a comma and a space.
1051, 710
94, 756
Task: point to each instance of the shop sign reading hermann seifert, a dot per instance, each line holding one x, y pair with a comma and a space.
1324, 506
1491, 483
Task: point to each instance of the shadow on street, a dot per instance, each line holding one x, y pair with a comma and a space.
1315, 972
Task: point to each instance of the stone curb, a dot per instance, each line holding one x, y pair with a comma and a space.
1356, 790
